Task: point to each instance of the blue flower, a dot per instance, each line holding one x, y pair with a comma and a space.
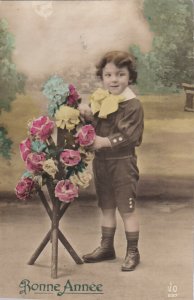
38, 146
56, 90
27, 174
52, 107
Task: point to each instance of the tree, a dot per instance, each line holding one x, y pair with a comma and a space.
5, 143
11, 82
170, 61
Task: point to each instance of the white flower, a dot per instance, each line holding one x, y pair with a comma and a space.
50, 167
87, 156
82, 179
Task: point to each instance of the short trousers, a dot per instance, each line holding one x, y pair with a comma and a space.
116, 182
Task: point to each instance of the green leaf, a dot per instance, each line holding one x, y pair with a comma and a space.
5, 144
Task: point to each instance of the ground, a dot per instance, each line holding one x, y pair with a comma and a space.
165, 208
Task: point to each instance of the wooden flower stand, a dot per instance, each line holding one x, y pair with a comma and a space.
54, 234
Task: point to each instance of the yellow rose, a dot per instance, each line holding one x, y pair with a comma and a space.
67, 116
50, 167
82, 179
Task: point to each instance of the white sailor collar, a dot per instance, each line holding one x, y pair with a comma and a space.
128, 94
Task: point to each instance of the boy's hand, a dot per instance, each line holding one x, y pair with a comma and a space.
100, 142
85, 111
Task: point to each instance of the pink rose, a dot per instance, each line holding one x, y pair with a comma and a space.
24, 188
25, 148
70, 157
73, 96
42, 128
66, 191
34, 161
86, 135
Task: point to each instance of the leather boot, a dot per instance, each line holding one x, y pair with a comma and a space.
132, 259
106, 250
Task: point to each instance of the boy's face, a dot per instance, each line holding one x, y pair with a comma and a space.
115, 79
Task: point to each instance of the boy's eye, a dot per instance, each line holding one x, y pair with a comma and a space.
107, 75
122, 74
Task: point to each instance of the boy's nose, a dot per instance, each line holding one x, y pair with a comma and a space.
114, 79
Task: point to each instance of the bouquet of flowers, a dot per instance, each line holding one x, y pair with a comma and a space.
61, 165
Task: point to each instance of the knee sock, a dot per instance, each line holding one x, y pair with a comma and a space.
107, 237
132, 240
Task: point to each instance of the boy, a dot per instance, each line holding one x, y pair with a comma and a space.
118, 121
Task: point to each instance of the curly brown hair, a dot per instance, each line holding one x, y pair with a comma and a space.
120, 59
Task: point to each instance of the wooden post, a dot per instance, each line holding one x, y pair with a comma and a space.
56, 210
189, 90
54, 229
54, 238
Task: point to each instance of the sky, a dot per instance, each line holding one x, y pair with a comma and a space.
51, 36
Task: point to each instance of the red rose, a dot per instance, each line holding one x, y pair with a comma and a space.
24, 188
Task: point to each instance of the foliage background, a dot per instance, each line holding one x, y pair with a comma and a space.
11, 82
170, 61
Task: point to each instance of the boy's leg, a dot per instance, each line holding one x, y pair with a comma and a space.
130, 221
132, 257
106, 250
108, 217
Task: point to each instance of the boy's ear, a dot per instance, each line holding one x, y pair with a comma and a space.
130, 81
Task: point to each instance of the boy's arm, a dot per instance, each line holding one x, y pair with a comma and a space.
130, 127
130, 130
100, 142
